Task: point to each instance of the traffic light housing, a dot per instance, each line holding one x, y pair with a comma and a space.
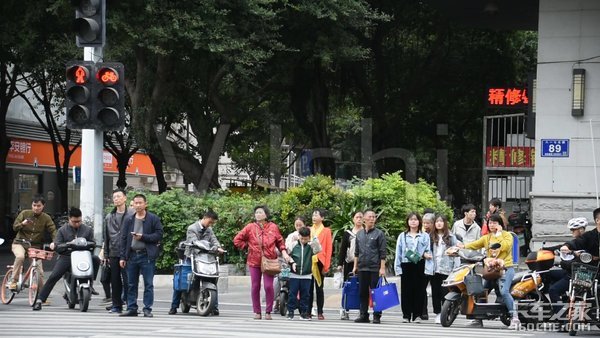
78, 98
95, 95
90, 22
109, 108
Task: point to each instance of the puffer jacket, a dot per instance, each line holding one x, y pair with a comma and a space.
250, 238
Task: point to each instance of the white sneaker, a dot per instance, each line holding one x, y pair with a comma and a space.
515, 324
344, 315
417, 320
404, 320
438, 319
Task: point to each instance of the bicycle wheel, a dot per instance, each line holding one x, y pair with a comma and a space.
33, 286
5, 293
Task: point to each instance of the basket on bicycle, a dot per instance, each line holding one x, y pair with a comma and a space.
40, 254
284, 274
583, 275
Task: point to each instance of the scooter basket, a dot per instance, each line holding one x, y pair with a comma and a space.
583, 275
474, 284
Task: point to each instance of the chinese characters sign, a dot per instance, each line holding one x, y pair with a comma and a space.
507, 97
510, 157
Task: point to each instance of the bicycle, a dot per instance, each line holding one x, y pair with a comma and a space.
31, 279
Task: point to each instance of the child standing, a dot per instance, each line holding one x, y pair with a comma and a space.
301, 273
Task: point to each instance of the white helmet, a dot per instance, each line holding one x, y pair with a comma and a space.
576, 223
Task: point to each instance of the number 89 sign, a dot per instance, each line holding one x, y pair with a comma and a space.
555, 148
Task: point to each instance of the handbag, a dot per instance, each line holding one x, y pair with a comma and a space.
491, 274
268, 265
385, 295
105, 275
411, 255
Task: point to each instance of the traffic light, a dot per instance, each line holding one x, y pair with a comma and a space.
78, 102
110, 96
95, 95
89, 24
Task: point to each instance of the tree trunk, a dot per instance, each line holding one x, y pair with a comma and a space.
160, 175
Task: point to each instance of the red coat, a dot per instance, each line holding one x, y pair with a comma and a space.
249, 237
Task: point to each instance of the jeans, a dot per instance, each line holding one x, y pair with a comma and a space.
558, 288
504, 283
136, 265
298, 285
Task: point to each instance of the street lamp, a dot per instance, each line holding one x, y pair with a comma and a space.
578, 91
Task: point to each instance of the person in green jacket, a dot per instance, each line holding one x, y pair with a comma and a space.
301, 273
30, 225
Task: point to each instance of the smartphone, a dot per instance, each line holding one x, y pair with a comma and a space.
29, 219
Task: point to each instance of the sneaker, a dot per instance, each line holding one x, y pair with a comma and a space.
515, 324
475, 323
321, 317
215, 312
305, 316
148, 313
129, 313
12, 286
344, 315
362, 319
116, 310
257, 316
290, 316
417, 320
268, 316
425, 317
438, 319
108, 308
173, 311
376, 319
405, 320
37, 306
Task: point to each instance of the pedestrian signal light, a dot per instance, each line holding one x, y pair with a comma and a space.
89, 24
78, 102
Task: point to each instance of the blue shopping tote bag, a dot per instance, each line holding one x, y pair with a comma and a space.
385, 295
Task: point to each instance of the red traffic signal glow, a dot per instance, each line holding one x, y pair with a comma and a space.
78, 74
107, 76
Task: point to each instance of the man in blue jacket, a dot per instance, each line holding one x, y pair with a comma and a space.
140, 238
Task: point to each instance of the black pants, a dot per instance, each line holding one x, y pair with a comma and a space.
62, 266
438, 292
118, 278
367, 280
412, 289
319, 290
347, 268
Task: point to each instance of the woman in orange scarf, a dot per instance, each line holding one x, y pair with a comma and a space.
321, 261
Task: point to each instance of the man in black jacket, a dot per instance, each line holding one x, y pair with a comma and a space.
369, 263
140, 237
66, 234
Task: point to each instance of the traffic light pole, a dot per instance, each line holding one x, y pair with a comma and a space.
92, 167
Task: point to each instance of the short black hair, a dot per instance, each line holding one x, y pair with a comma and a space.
496, 218
142, 196
467, 207
370, 210
210, 214
74, 212
596, 214
321, 212
300, 218
38, 198
304, 232
265, 209
119, 190
428, 211
496, 202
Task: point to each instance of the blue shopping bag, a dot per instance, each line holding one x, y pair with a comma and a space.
180, 277
351, 294
385, 295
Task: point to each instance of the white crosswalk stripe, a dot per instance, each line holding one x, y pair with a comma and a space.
58, 321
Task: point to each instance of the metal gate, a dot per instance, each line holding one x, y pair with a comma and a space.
508, 161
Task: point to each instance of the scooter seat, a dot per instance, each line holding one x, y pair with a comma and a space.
518, 276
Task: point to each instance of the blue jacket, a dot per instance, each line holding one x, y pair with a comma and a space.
446, 264
151, 235
420, 244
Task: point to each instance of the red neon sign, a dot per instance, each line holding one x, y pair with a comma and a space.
507, 97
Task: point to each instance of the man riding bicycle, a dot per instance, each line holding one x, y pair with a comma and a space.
30, 225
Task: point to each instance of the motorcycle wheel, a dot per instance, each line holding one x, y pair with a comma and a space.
6, 294
33, 288
206, 302
449, 312
283, 298
185, 304
84, 299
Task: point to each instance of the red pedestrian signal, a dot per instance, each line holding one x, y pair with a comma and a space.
78, 101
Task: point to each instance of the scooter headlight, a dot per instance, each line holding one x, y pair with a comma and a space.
83, 266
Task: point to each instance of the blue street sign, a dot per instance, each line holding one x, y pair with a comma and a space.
76, 175
306, 163
555, 148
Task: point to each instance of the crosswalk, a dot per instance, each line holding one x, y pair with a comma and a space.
17, 320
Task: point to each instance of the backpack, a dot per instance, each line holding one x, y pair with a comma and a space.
352, 248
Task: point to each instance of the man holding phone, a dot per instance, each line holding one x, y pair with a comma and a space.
31, 225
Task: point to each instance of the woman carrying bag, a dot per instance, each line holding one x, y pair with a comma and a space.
412, 249
261, 238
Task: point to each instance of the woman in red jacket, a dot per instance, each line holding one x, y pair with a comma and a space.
261, 237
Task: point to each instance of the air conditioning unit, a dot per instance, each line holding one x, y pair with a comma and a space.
150, 180
171, 177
